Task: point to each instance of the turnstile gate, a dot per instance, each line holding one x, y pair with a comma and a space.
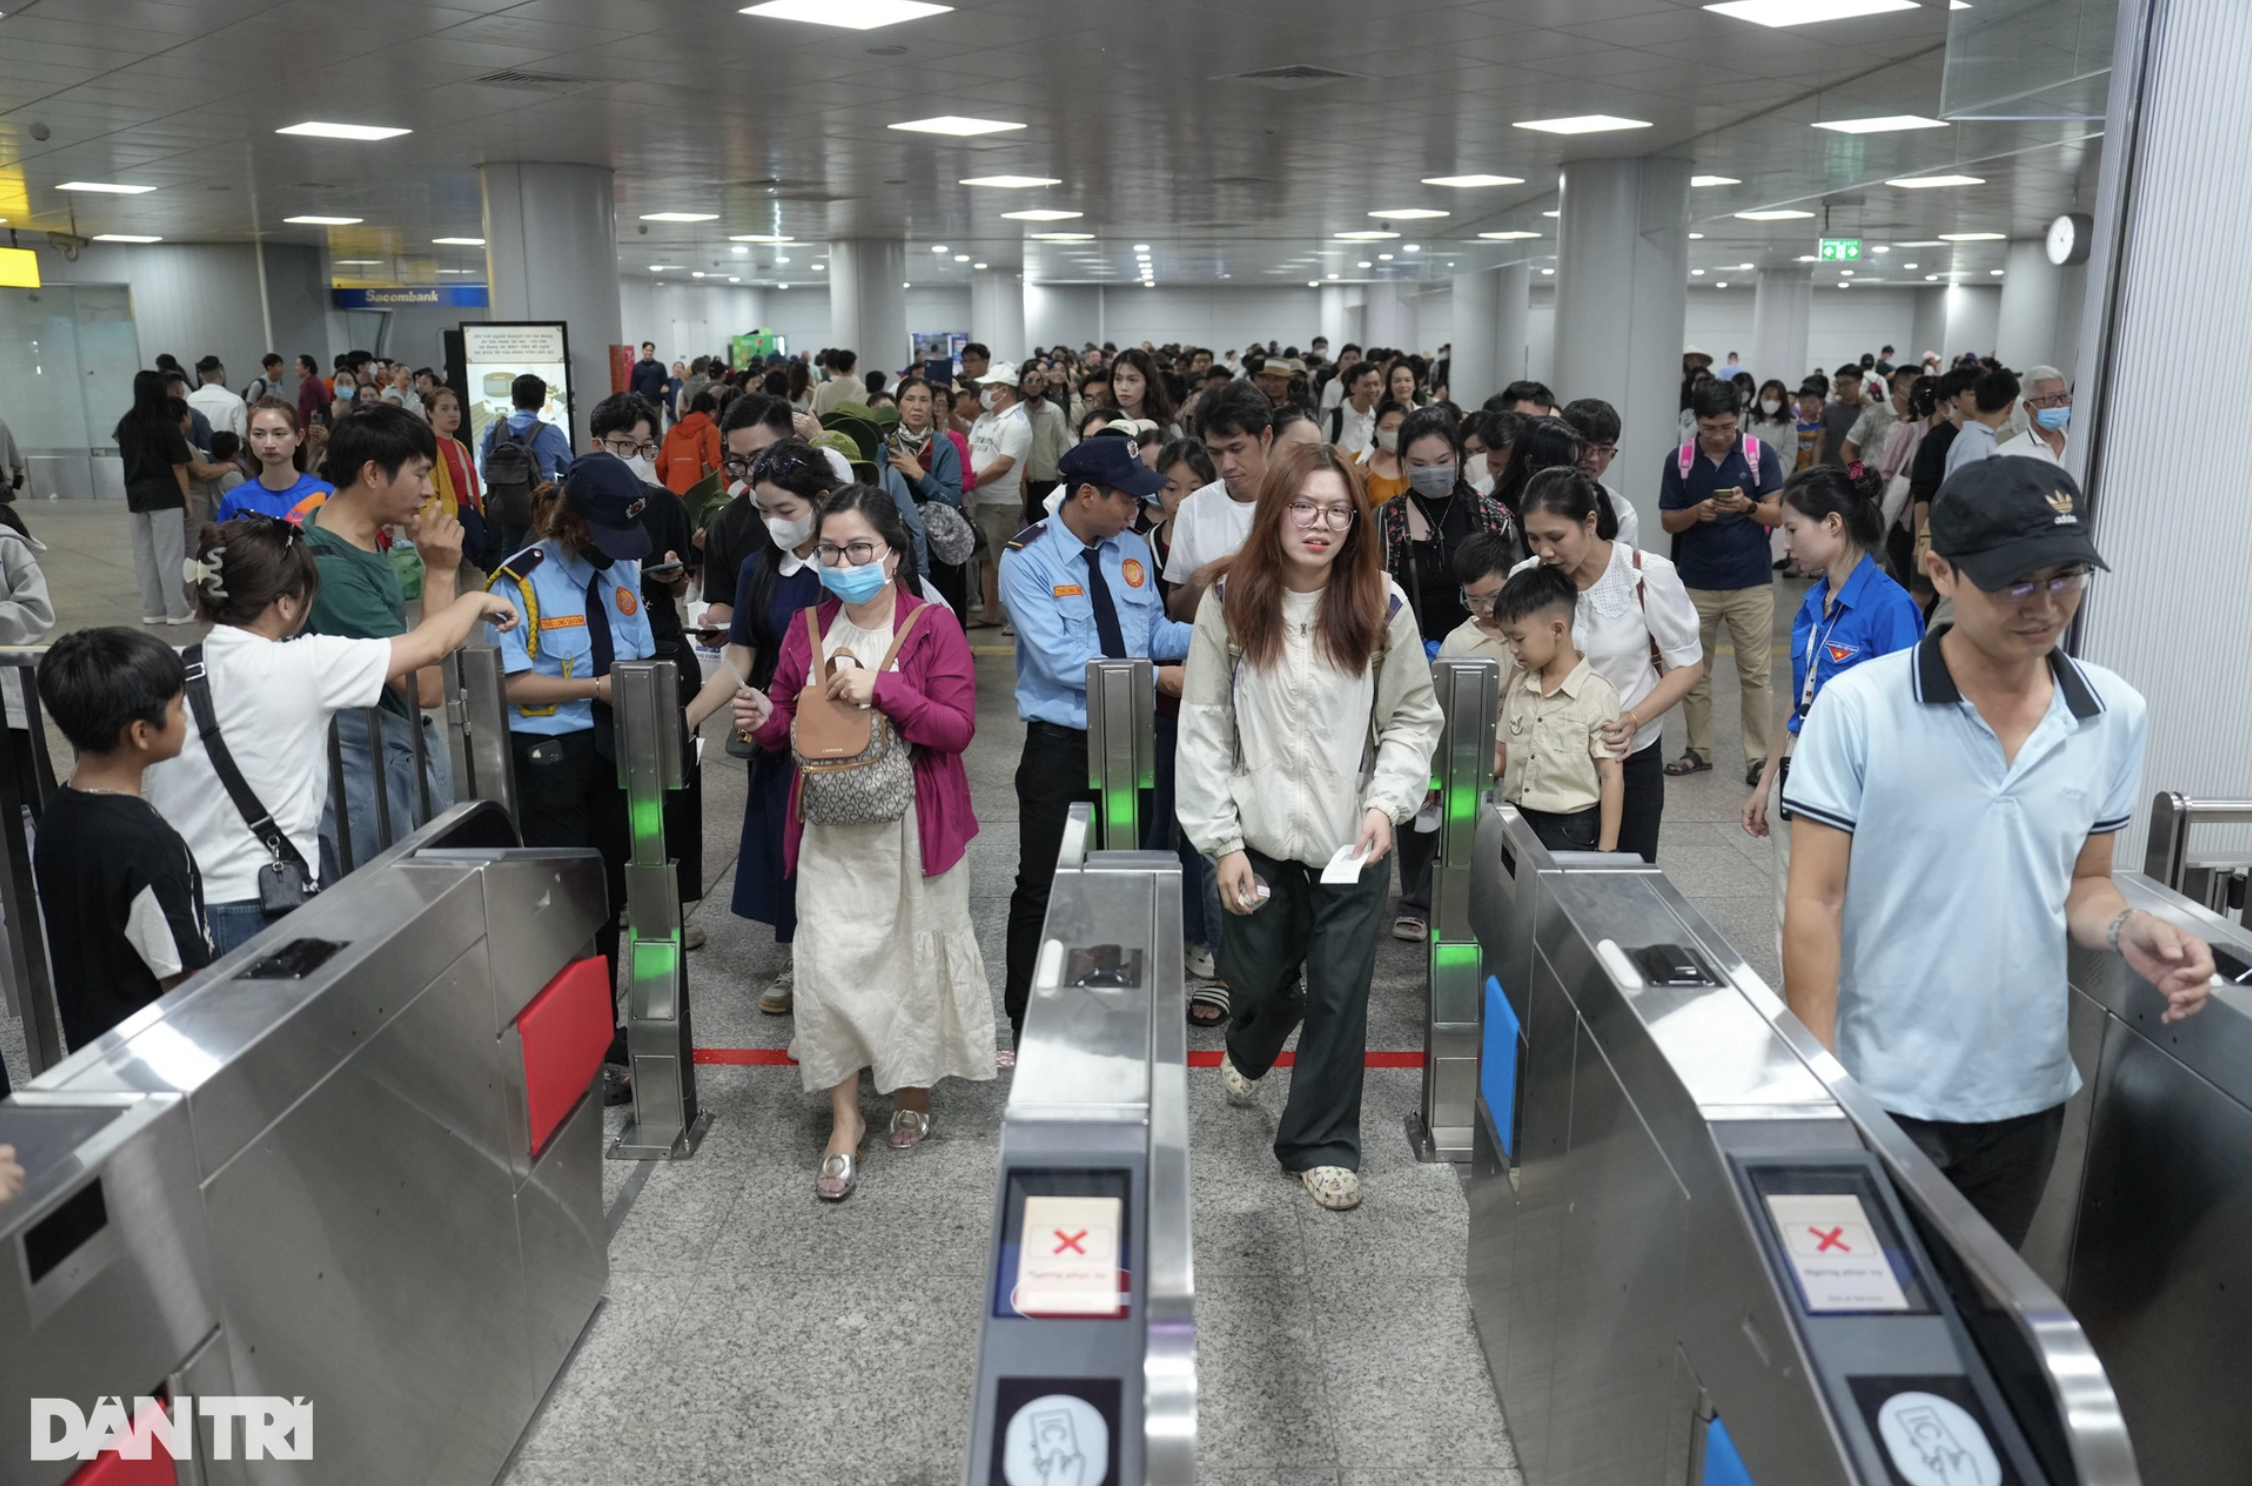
1699, 1252
1087, 1351
354, 1166
1469, 694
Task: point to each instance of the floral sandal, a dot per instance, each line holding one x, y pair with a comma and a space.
1333, 1187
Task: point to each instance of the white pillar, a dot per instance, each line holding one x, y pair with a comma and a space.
1782, 309
1390, 318
1471, 379
1512, 323
1930, 332
551, 253
997, 312
2032, 297
1622, 279
1334, 324
868, 301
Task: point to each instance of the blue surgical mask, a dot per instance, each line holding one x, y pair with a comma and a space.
855, 585
2052, 419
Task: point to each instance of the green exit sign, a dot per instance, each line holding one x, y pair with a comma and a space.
1841, 249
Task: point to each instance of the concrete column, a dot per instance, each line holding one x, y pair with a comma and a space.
1930, 332
1471, 379
2032, 301
1512, 323
1782, 309
1390, 317
551, 253
1973, 315
997, 312
868, 301
1334, 323
1622, 279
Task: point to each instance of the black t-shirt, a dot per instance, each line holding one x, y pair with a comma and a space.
1838, 419
123, 904
665, 518
730, 537
1930, 466
150, 484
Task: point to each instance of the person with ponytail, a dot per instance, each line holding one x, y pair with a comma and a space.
254, 578
1833, 525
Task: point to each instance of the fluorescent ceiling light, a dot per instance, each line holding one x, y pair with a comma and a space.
852, 15
781, 260
1364, 263
123, 237
322, 221
1879, 248
1779, 214
1410, 214
1384, 257
1012, 182
1973, 237
1582, 124
680, 216
1696, 273
457, 270
1804, 12
974, 265
1997, 272
1507, 237
1412, 248
1141, 247
820, 268
961, 257
1041, 214
1701, 181
732, 279
1313, 283
459, 242
344, 131
1696, 237
1809, 258
956, 125
760, 237
1548, 273
1329, 276
699, 273
355, 262
1465, 182
1552, 214
1063, 237
1883, 124
1365, 237
107, 187
938, 247
1920, 182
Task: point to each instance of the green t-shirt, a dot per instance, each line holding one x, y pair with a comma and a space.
360, 598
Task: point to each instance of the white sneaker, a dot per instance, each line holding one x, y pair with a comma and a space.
1241, 1091
781, 997
1333, 1187
1197, 960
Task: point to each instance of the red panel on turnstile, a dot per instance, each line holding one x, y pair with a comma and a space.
109, 1469
565, 1031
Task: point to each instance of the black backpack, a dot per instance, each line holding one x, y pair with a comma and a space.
510, 475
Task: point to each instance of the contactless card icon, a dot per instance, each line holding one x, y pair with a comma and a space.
1057, 1440
1934, 1441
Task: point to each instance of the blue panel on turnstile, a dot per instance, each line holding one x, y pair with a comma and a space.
1723, 1466
1497, 1065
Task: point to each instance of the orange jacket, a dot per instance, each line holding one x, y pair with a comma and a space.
691, 451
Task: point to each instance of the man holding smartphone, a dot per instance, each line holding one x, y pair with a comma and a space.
1719, 495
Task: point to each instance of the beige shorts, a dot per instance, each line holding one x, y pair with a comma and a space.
1000, 525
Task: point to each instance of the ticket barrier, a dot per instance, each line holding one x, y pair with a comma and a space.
1087, 1351
355, 1166
1700, 1253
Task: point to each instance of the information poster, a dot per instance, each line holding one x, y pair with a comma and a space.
753, 347
495, 355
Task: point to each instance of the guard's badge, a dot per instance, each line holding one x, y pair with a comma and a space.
627, 603
1135, 576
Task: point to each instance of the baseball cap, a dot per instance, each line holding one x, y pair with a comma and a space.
1110, 463
2000, 519
999, 374
609, 497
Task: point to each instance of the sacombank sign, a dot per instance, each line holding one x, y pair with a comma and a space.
271, 1428
454, 296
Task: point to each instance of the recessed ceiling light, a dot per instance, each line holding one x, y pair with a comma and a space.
961, 257
1548, 273
1412, 248
1366, 237
1921, 182
1012, 182
1384, 257
1804, 12
781, 260
1696, 273
1931, 278
106, 187
1583, 124
696, 273
1973, 237
1041, 214
740, 251
1552, 214
1721, 285
760, 237
1329, 276
977, 265
1063, 237
1465, 182
322, 221
1845, 273
1313, 283
1410, 214
344, 131
1714, 180
123, 237
852, 15
1508, 237
733, 279
661, 267
1997, 272
938, 247
1883, 124
457, 270
1779, 214
1364, 263
1696, 237
1806, 258
356, 262
680, 216
459, 242
1879, 248
820, 268
956, 125
1911, 265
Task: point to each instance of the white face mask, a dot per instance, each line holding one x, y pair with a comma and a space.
642, 469
789, 535
1770, 406
988, 398
1388, 439
1481, 478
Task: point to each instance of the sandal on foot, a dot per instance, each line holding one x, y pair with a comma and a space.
1412, 927
1242, 1092
839, 1176
908, 1127
1333, 1187
1690, 762
1753, 770
1213, 1001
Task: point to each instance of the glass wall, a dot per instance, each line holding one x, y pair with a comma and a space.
72, 382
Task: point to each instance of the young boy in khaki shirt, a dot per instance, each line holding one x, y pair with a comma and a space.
1549, 748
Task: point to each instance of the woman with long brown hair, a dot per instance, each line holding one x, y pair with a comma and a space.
1138, 391
1307, 725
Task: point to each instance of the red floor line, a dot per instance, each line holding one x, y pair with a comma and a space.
774, 1057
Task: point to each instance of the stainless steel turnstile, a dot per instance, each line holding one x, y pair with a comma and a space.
354, 1163
1087, 1353
1469, 694
1699, 1252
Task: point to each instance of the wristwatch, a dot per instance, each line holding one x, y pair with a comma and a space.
2111, 934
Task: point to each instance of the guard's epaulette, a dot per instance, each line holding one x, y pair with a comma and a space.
1028, 536
519, 567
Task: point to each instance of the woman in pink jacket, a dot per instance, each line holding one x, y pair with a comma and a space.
889, 977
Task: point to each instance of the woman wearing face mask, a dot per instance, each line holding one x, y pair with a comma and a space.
340, 399
1631, 603
1307, 724
254, 580
1138, 391
930, 466
1380, 468
282, 488
889, 977
1772, 417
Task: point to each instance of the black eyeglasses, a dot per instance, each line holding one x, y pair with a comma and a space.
2057, 587
627, 448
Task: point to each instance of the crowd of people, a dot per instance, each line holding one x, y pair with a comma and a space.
1290, 537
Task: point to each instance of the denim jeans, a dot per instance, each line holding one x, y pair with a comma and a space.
398, 780
234, 925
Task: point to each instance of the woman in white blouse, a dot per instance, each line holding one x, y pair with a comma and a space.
1307, 724
1632, 608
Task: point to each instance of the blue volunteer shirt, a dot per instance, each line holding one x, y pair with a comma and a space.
1044, 586
1731, 550
1873, 616
551, 637
1951, 986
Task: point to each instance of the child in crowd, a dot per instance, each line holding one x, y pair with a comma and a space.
1810, 398
1549, 751
123, 900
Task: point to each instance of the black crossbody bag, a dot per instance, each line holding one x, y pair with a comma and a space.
285, 883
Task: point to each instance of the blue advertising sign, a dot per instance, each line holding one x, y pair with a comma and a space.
459, 296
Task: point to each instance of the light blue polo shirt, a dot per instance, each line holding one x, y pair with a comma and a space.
1952, 995
1044, 586
549, 586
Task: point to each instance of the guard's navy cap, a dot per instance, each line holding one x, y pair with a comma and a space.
609, 497
1112, 463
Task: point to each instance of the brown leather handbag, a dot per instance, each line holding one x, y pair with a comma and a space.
853, 767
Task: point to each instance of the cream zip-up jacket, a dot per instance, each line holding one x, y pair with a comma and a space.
1303, 779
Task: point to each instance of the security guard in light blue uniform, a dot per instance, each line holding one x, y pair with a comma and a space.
579, 592
1079, 586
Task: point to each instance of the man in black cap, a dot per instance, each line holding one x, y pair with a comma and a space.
1953, 808
1078, 587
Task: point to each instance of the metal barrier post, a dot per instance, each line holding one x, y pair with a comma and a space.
1462, 769
2166, 856
491, 769
660, 1041
1121, 746
454, 712
30, 990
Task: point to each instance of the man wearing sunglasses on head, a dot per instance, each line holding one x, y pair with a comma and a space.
1953, 811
